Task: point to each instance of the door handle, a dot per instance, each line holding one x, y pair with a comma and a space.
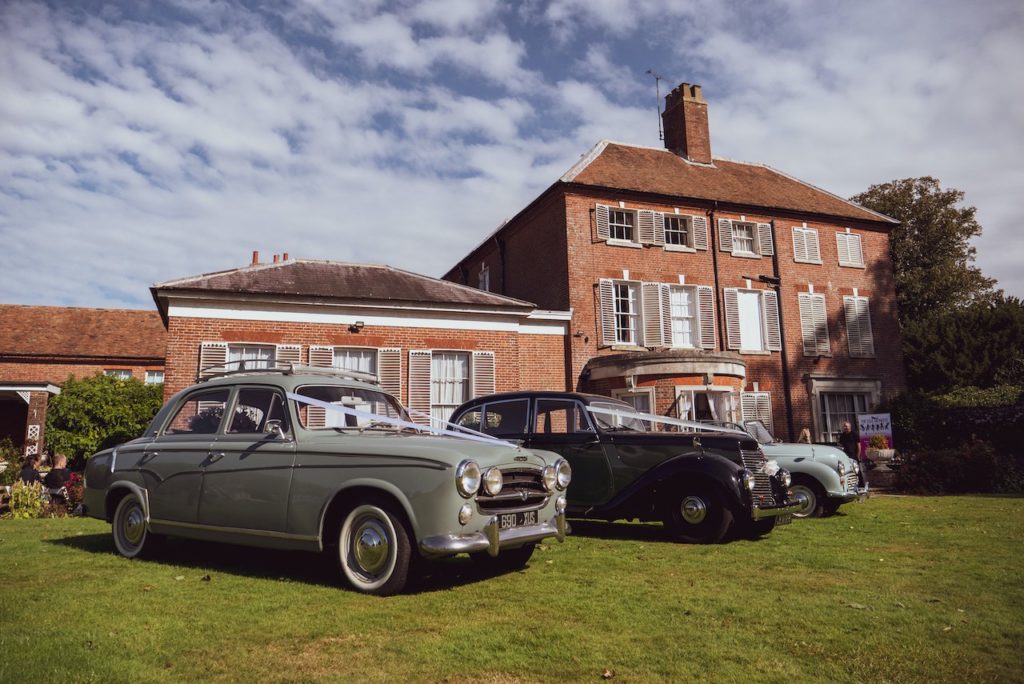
215, 456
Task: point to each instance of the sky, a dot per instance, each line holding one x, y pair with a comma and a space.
150, 140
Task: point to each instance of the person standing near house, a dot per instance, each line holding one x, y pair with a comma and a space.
850, 443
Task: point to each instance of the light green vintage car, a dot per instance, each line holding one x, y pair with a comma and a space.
314, 460
824, 477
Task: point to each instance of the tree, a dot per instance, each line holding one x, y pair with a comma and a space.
99, 412
931, 252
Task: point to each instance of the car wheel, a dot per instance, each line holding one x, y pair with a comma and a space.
811, 498
132, 538
506, 560
698, 516
373, 549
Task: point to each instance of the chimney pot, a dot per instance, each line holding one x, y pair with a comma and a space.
255, 258
276, 258
284, 257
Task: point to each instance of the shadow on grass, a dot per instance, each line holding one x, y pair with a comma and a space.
599, 529
296, 566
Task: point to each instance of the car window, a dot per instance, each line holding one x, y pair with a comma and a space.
560, 416
254, 407
506, 418
355, 398
199, 414
471, 419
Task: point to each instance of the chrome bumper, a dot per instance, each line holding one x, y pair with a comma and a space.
757, 513
859, 495
492, 539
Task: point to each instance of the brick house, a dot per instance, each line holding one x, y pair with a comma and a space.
42, 346
704, 287
432, 343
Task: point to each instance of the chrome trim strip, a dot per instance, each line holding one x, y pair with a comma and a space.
236, 530
761, 513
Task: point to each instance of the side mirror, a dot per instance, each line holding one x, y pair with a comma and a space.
276, 427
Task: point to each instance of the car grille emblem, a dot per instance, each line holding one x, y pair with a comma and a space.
520, 458
523, 495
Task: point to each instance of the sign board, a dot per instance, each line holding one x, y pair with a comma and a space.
870, 424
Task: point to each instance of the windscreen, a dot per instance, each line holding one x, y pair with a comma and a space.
355, 398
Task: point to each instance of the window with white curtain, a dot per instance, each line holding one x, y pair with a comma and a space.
627, 313
449, 383
120, 374
841, 407
706, 403
356, 359
154, 377
254, 356
743, 235
684, 316
751, 320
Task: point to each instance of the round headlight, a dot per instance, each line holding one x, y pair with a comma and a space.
841, 467
492, 481
748, 479
467, 478
564, 472
856, 467
465, 514
785, 479
560, 504
550, 475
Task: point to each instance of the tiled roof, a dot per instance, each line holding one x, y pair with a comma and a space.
341, 281
652, 170
54, 331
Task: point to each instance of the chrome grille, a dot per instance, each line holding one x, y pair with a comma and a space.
522, 489
852, 480
754, 461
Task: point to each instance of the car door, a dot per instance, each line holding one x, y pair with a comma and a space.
563, 426
172, 464
248, 475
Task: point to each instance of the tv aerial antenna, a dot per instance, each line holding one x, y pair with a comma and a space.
657, 101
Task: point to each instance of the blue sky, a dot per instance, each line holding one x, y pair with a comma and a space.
151, 140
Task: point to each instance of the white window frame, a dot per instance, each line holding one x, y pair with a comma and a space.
345, 348
150, 374
771, 336
633, 315
438, 384
821, 385
246, 348
685, 219
731, 398
694, 318
119, 373
627, 395
847, 257
803, 238
481, 379
755, 247
484, 278
633, 238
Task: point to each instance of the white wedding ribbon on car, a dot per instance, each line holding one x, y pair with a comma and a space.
652, 418
461, 433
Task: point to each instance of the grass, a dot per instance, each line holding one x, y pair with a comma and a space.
901, 589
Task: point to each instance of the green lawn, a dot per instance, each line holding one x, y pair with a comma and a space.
898, 589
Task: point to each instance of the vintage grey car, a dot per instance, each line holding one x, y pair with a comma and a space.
314, 460
824, 477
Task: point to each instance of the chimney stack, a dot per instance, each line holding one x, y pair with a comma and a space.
284, 257
276, 258
686, 124
255, 258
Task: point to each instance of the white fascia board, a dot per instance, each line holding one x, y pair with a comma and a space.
547, 315
41, 387
394, 318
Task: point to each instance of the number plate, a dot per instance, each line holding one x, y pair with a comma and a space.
784, 519
508, 520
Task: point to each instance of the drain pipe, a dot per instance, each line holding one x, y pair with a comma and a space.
713, 246
782, 335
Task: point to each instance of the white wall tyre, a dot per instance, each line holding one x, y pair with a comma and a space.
129, 529
373, 549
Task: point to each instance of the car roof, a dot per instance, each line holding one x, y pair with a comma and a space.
542, 394
291, 377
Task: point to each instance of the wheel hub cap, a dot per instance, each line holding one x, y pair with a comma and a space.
370, 547
802, 498
693, 510
134, 526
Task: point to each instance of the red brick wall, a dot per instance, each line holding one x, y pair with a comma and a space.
58, 371
520, 360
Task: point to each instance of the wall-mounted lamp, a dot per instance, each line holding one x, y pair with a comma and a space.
774, 281
356, 327
578, 333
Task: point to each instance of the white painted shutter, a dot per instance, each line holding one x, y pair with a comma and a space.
212, 357
843, 247
645, 226
856, 251
419, 384
799, 244
757, 406
653, 331
321, 357
389, 371
813, 249
770, 304
665, 295
764, 234
858, 326
814, 325
725, 235
603, 232
706, 307
700, 232
288, 353
732, 317
484, 375
606, 311
659, 228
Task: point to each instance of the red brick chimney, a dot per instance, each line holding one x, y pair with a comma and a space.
686, 124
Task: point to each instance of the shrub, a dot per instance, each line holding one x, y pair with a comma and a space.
974, 466
12, 455
26, 501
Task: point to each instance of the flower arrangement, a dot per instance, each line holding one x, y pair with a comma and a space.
878, 441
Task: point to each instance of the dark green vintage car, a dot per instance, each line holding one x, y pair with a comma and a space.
705, 487
313, 460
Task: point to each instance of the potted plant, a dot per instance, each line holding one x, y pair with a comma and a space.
878, 448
